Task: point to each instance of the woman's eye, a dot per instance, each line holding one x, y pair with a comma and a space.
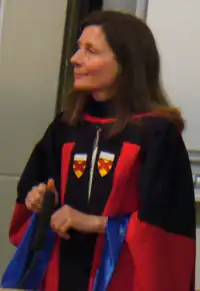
92, 51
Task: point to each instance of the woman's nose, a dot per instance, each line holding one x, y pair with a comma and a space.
77, 58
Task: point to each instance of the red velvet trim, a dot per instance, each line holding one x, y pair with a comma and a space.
66, 156
51, 281
127, 166
123, 277
19, 223
99, 120
151, 259
163, 261
154, 260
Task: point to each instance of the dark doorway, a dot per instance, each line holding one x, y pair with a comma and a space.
77, 10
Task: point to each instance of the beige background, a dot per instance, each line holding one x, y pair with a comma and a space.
30, 54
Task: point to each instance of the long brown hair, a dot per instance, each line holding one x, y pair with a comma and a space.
139, 86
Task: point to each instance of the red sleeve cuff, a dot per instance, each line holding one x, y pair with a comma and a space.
19, 222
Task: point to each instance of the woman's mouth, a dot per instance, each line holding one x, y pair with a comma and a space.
79, 75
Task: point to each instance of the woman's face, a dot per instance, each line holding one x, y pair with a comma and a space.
95, 66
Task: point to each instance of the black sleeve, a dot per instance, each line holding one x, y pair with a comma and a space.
42, 164
166, 184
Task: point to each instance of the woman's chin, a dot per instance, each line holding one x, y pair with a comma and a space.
79, 86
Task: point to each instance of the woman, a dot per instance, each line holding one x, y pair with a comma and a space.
115, 153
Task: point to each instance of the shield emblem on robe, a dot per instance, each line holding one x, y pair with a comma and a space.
105, 163
79, 164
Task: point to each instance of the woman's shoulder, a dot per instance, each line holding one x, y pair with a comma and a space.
166, 116
157, 130
54, 130
157, 123
57, 120
162, 120
55, 123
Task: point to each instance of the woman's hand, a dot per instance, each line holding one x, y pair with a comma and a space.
68, 218
35, 197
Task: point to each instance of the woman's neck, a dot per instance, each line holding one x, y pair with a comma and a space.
103, 95
104, 109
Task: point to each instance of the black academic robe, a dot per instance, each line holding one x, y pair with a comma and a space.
144, 172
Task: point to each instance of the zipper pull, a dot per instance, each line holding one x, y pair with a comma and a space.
96, 140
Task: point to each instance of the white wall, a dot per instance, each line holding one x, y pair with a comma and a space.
126, 5
176, 27
138, 7
30, 54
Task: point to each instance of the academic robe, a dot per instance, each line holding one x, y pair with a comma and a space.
142, 175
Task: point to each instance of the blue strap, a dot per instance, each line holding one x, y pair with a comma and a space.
22, 258
114, 239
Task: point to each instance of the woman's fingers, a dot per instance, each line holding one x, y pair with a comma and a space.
35, 197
